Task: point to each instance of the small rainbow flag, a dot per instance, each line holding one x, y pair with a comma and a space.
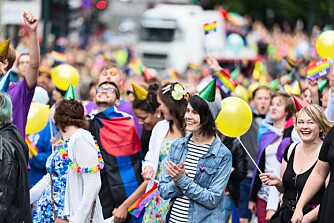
58, 56
225, 80
136, 208
134, 67
33, 150
210, 27
173, 74
318, 69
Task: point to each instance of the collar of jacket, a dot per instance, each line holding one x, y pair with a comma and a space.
213, 150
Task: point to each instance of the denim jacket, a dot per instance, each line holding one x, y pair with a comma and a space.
206, 191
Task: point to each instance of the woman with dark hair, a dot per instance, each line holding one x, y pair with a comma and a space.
146, 108
197, 168
172, 99
68, 193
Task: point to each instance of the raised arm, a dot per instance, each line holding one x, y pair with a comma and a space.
31, 22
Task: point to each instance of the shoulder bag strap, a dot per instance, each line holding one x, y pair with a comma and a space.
52, 198
92, 213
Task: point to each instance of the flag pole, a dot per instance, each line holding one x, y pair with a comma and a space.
249, 155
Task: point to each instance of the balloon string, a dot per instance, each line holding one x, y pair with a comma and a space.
249, 155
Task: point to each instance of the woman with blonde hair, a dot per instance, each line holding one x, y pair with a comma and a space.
299, 161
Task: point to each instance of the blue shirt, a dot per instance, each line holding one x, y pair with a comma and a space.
206, 191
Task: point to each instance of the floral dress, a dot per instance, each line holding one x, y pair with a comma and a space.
42, 211
157, 209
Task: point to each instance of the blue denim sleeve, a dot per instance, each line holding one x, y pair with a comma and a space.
167, 187
211, 196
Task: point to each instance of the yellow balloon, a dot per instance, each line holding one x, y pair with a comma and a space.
63, 75
325, 44
241, 92
235, 117
38, 117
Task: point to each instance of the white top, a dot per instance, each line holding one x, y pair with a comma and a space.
272, 165
158, 135
81, 188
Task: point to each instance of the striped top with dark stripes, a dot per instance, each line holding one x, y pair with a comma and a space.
179, 212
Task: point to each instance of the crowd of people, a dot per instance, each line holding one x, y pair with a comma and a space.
127, 129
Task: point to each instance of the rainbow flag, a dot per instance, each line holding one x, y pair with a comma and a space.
33, 150
210, 27
224, 80
318, 69
58, 56
134, 67
136, 208
173, 74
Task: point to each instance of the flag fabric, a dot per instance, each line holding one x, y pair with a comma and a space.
260, 72
58, 56
133, 66
225, 82
136, 208
120, 146
173, 74
210, 27
267, 134
33, 150
318, 69
286, 139
291, 64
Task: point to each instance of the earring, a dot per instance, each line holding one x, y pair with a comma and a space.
158, 116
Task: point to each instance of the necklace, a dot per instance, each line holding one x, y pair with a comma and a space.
77, 168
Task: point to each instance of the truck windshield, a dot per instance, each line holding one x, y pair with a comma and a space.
157, 34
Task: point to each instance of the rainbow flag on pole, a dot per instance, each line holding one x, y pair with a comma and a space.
136, 208
210, 27
225, 82
318, 69
33, 150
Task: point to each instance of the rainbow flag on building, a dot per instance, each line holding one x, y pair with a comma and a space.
33, 150
318, 69
210, 27
136, 208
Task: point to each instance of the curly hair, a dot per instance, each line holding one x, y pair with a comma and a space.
150, 104
70, 113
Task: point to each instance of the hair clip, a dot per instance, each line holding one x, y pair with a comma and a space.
166, 89
201, 169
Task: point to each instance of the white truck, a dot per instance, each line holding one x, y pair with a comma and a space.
172, 36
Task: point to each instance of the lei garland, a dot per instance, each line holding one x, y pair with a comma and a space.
77, 168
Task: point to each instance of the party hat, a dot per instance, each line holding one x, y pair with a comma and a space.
299, 103
69, 93
209, 92
4, 48
146, 73
4, 81
322, 84
139, 92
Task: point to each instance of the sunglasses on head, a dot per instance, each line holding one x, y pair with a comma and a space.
108, 90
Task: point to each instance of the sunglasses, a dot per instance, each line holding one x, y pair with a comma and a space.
107, 90
129, 92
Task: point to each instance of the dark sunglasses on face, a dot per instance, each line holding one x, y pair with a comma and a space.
108, 90
129, 92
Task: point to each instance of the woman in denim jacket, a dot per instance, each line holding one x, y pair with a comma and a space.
197, 168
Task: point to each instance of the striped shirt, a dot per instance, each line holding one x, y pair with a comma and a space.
180, 208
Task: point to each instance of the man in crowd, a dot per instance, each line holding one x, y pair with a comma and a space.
118, 140
22, 92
